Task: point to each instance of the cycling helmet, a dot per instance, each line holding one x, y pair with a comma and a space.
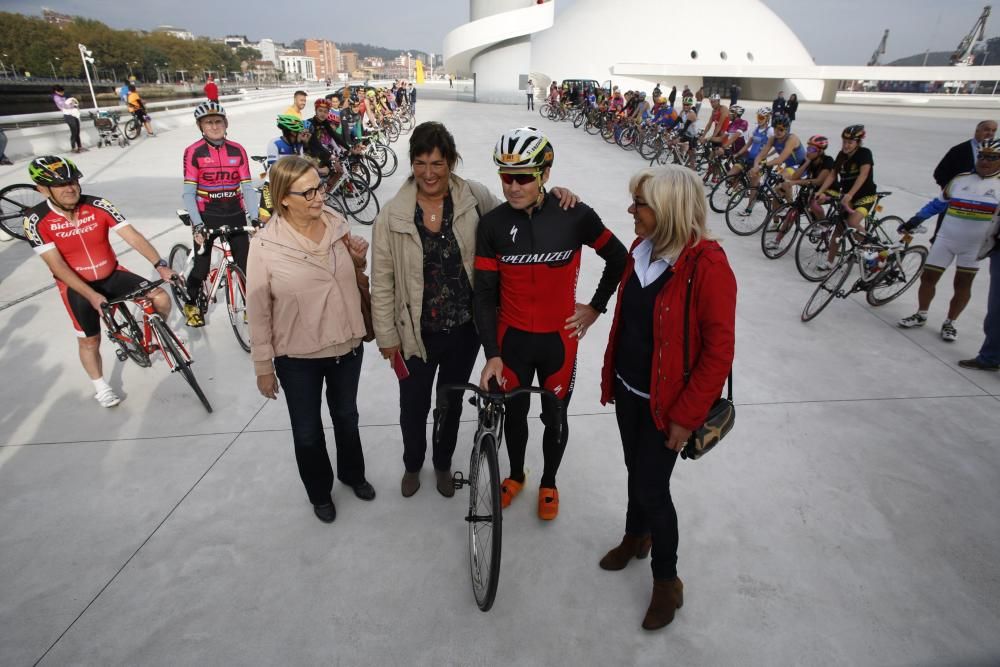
523, 147
371, 94
688, 101
290, 123
819, 141
856, 132
989, 148
780, 119
642, 96
209, 108
737, 110
52, 170
322, 103
764, 112
714, 98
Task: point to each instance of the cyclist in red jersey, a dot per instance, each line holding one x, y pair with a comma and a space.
70, 233
217, 192
718, 122
527, 261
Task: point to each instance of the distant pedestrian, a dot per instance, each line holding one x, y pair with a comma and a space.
530, 89
3, 148
792, 106
211, 90
698, 97
779, 104
734, 94
71, 116
451, 81
413, 98
672, 97
657, 92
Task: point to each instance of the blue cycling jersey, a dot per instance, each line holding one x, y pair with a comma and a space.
758, 139
279, 147
797, 157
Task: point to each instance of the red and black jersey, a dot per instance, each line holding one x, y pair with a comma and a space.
527, 266
83, 243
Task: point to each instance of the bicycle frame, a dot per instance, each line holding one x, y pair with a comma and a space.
150, 342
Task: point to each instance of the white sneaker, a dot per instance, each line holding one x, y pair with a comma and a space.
823, 265
771, 245
107, 398
914, 320
949, 332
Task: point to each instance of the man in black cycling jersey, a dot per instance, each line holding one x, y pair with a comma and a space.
527, 261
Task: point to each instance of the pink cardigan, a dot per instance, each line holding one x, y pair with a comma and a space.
301, 302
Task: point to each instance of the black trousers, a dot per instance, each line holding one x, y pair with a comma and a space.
531, 102
649, 464
302, 381
239, 244
451, 356
74, 131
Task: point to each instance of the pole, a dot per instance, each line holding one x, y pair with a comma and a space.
53, 69
84, 55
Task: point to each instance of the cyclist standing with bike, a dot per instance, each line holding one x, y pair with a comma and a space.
527, 261
217, 193
69, 231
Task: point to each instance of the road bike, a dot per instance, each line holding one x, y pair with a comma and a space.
137, 341
749, 208
225, 275
15, 202
485, 517
886, 270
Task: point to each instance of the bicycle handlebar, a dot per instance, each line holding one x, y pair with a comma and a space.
498, 396
225, 231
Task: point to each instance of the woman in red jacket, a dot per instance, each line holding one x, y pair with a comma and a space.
644, 364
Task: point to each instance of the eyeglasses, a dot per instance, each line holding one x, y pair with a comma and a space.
309, 194
520, 179
638, 203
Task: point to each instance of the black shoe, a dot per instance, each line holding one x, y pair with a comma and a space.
445, 485
325, 512
364, 490
977, 365
5, 161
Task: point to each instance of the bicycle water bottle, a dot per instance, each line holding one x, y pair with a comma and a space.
870, 258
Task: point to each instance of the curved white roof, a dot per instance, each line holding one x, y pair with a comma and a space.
592, 36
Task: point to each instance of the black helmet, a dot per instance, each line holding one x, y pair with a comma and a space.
855, 132
780, 119
52, 170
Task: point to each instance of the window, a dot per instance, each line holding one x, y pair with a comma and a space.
750, 56
723, 55
694, 55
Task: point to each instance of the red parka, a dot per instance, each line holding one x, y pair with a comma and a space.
712, 337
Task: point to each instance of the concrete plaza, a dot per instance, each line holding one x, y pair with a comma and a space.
849, 519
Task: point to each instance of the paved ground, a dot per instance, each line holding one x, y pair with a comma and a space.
850, 519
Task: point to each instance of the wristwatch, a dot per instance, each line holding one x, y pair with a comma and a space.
162, 264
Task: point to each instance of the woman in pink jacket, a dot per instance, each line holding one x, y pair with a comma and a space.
306, 327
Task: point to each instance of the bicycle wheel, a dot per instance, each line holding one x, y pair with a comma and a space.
812, 248
828, 289
15, 201
545, 110
176, 358
367, 215
746, 219
132, 129
386, 159
780, 231
236, 300
721, 193
355, 193
177, 260
374, 169
485, 521
897, 277
128, 336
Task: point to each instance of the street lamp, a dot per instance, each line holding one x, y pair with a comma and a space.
87, 56
54, 75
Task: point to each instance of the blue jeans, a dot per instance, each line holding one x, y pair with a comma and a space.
302, 381
990, 352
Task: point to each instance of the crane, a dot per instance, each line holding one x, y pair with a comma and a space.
879, 50
964, 54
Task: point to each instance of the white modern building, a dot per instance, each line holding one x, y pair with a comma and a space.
639, 43
267, 50
298, 67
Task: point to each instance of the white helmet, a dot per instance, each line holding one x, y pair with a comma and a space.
523, 147
209, 108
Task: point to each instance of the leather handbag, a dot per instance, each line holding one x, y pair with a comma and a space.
722, 415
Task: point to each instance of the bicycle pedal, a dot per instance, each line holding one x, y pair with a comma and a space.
458, 480
120, 353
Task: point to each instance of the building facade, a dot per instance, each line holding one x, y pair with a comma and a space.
326, 56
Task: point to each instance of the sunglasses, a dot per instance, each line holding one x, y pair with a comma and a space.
309, 194
520, 179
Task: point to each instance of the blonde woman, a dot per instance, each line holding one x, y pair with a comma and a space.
643, 371
306, 327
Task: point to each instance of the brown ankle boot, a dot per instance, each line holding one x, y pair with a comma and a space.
632, 546
668, 597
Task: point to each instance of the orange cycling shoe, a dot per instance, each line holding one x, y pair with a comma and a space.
548, 503
508, 491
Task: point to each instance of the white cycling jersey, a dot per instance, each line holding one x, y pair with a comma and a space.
971, 200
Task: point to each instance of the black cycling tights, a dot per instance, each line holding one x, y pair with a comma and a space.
239, 244
523, 355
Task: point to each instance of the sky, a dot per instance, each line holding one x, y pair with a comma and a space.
836, 32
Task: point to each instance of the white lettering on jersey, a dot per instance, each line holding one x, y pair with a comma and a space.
538, 258
513, 234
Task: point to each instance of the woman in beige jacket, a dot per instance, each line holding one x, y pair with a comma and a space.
306, 327
423, 248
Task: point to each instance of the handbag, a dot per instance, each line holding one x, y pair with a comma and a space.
722, 415
364, 289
